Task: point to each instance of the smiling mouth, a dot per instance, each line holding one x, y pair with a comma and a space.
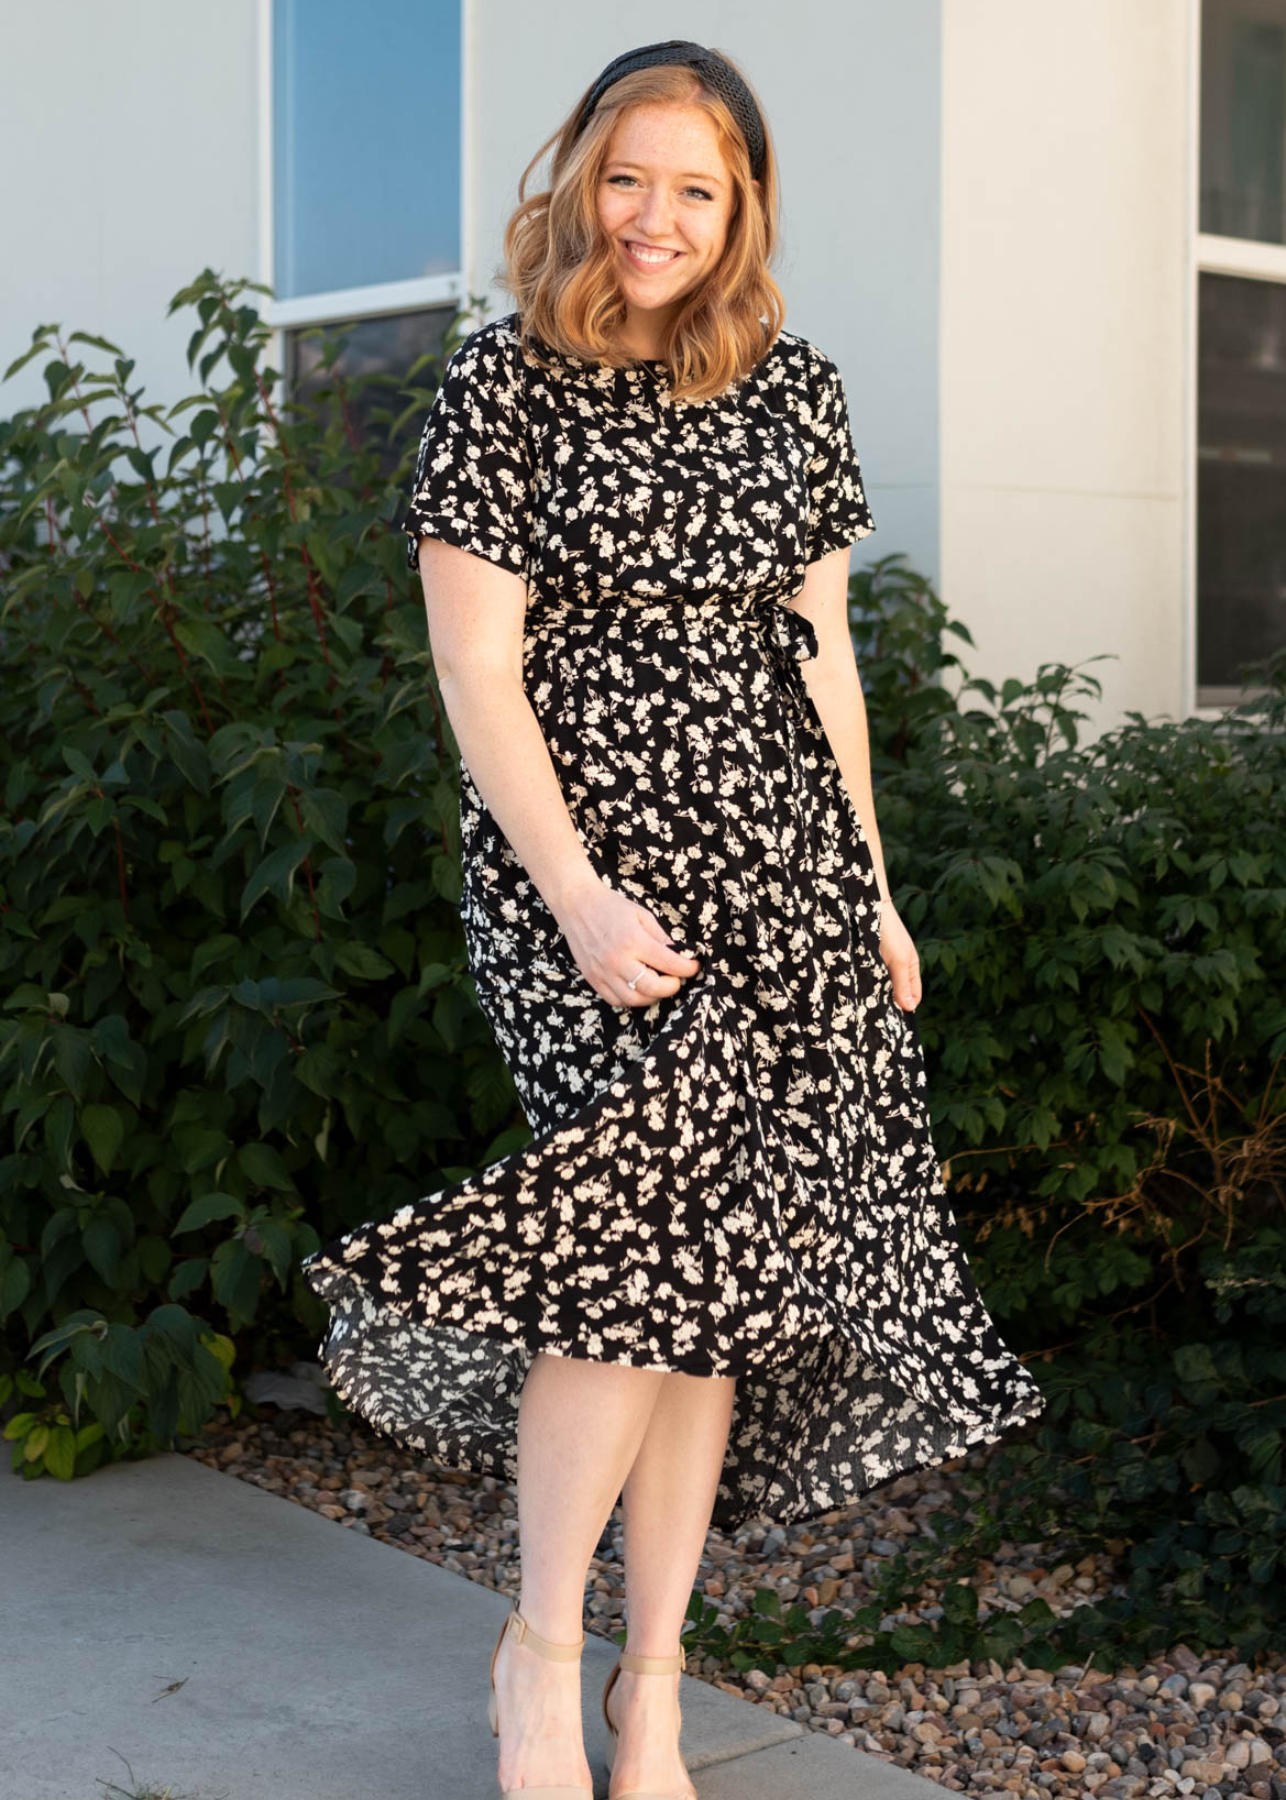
647, 258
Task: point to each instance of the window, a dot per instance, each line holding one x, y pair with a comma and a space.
386, 347
362, 183
1241, 344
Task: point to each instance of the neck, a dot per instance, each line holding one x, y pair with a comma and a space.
641, 335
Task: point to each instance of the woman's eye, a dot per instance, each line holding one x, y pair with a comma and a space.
704, 193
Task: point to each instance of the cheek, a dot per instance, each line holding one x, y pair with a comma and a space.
709, 243
611, 212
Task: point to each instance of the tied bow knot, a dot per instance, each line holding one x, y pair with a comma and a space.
791, 640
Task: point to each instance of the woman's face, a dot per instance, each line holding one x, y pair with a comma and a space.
665, 200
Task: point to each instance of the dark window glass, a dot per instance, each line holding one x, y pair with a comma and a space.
1243, 119
1241, 477
384, 348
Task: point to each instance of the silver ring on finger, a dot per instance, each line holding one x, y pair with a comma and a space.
642, 972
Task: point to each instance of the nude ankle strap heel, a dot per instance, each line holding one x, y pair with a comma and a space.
527, 1634
639, 1665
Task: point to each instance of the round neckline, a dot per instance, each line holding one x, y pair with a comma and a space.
582, 362
637, 366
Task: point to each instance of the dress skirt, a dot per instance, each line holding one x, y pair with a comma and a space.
735, 1180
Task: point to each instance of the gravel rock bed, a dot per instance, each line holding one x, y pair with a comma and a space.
1180, 1725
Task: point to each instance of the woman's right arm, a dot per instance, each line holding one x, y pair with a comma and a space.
475, 614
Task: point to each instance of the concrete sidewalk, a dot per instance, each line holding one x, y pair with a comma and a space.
315, 1663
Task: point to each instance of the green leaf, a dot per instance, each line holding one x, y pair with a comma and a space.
15, 1285
60, 1123
101, 1242
237, 1277
207, 1208
60, 1452
318, 1069
959, 1603
215, 950
402, 1010
73, 1056
103, 1129
204, 640
362, 962
326, 816
275, 874
188, 1276
263, 1167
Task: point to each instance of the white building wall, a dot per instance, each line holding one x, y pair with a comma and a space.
136, 161
985, 223
129, 140
1065, 280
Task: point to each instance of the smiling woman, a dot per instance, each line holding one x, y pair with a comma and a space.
669, 224
722, 1279
654, 241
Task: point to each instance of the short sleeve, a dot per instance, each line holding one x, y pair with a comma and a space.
838, 514
473, 473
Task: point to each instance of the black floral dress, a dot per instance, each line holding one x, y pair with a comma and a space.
737, 1179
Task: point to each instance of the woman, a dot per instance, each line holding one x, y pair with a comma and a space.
722, 1279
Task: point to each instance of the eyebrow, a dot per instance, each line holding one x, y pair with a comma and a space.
619, 162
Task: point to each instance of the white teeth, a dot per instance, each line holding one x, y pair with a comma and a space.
652, 256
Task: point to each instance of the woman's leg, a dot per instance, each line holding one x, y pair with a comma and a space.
580, 1425
667, 1501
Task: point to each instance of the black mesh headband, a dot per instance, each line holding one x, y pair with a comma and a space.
713, 70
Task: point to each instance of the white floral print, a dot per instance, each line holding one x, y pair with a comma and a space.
738, 1179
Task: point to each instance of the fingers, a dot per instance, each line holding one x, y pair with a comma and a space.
653, 983
615, 987
907, 990
660, 952
655, 966
900, 958
632, 946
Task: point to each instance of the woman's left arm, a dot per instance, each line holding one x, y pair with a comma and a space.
836, 690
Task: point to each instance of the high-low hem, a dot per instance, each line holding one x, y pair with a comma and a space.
737, 1179
431, 1334
349, 1302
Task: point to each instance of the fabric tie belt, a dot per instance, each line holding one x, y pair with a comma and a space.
791, 640
788, 637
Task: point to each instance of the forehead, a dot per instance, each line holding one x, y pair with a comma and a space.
668, 135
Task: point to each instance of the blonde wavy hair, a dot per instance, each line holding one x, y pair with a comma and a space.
559, 264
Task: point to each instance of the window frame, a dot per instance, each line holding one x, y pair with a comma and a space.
344, 304
1209, 254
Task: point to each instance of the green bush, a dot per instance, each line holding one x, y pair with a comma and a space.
1104, 1018
237, 1014
1102, 928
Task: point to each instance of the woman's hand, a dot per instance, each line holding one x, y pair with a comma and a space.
900, 958
612, 937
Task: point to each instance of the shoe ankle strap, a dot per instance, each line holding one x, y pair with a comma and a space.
524, 1633
654, 1665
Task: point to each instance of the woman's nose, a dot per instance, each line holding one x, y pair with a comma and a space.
654, 217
